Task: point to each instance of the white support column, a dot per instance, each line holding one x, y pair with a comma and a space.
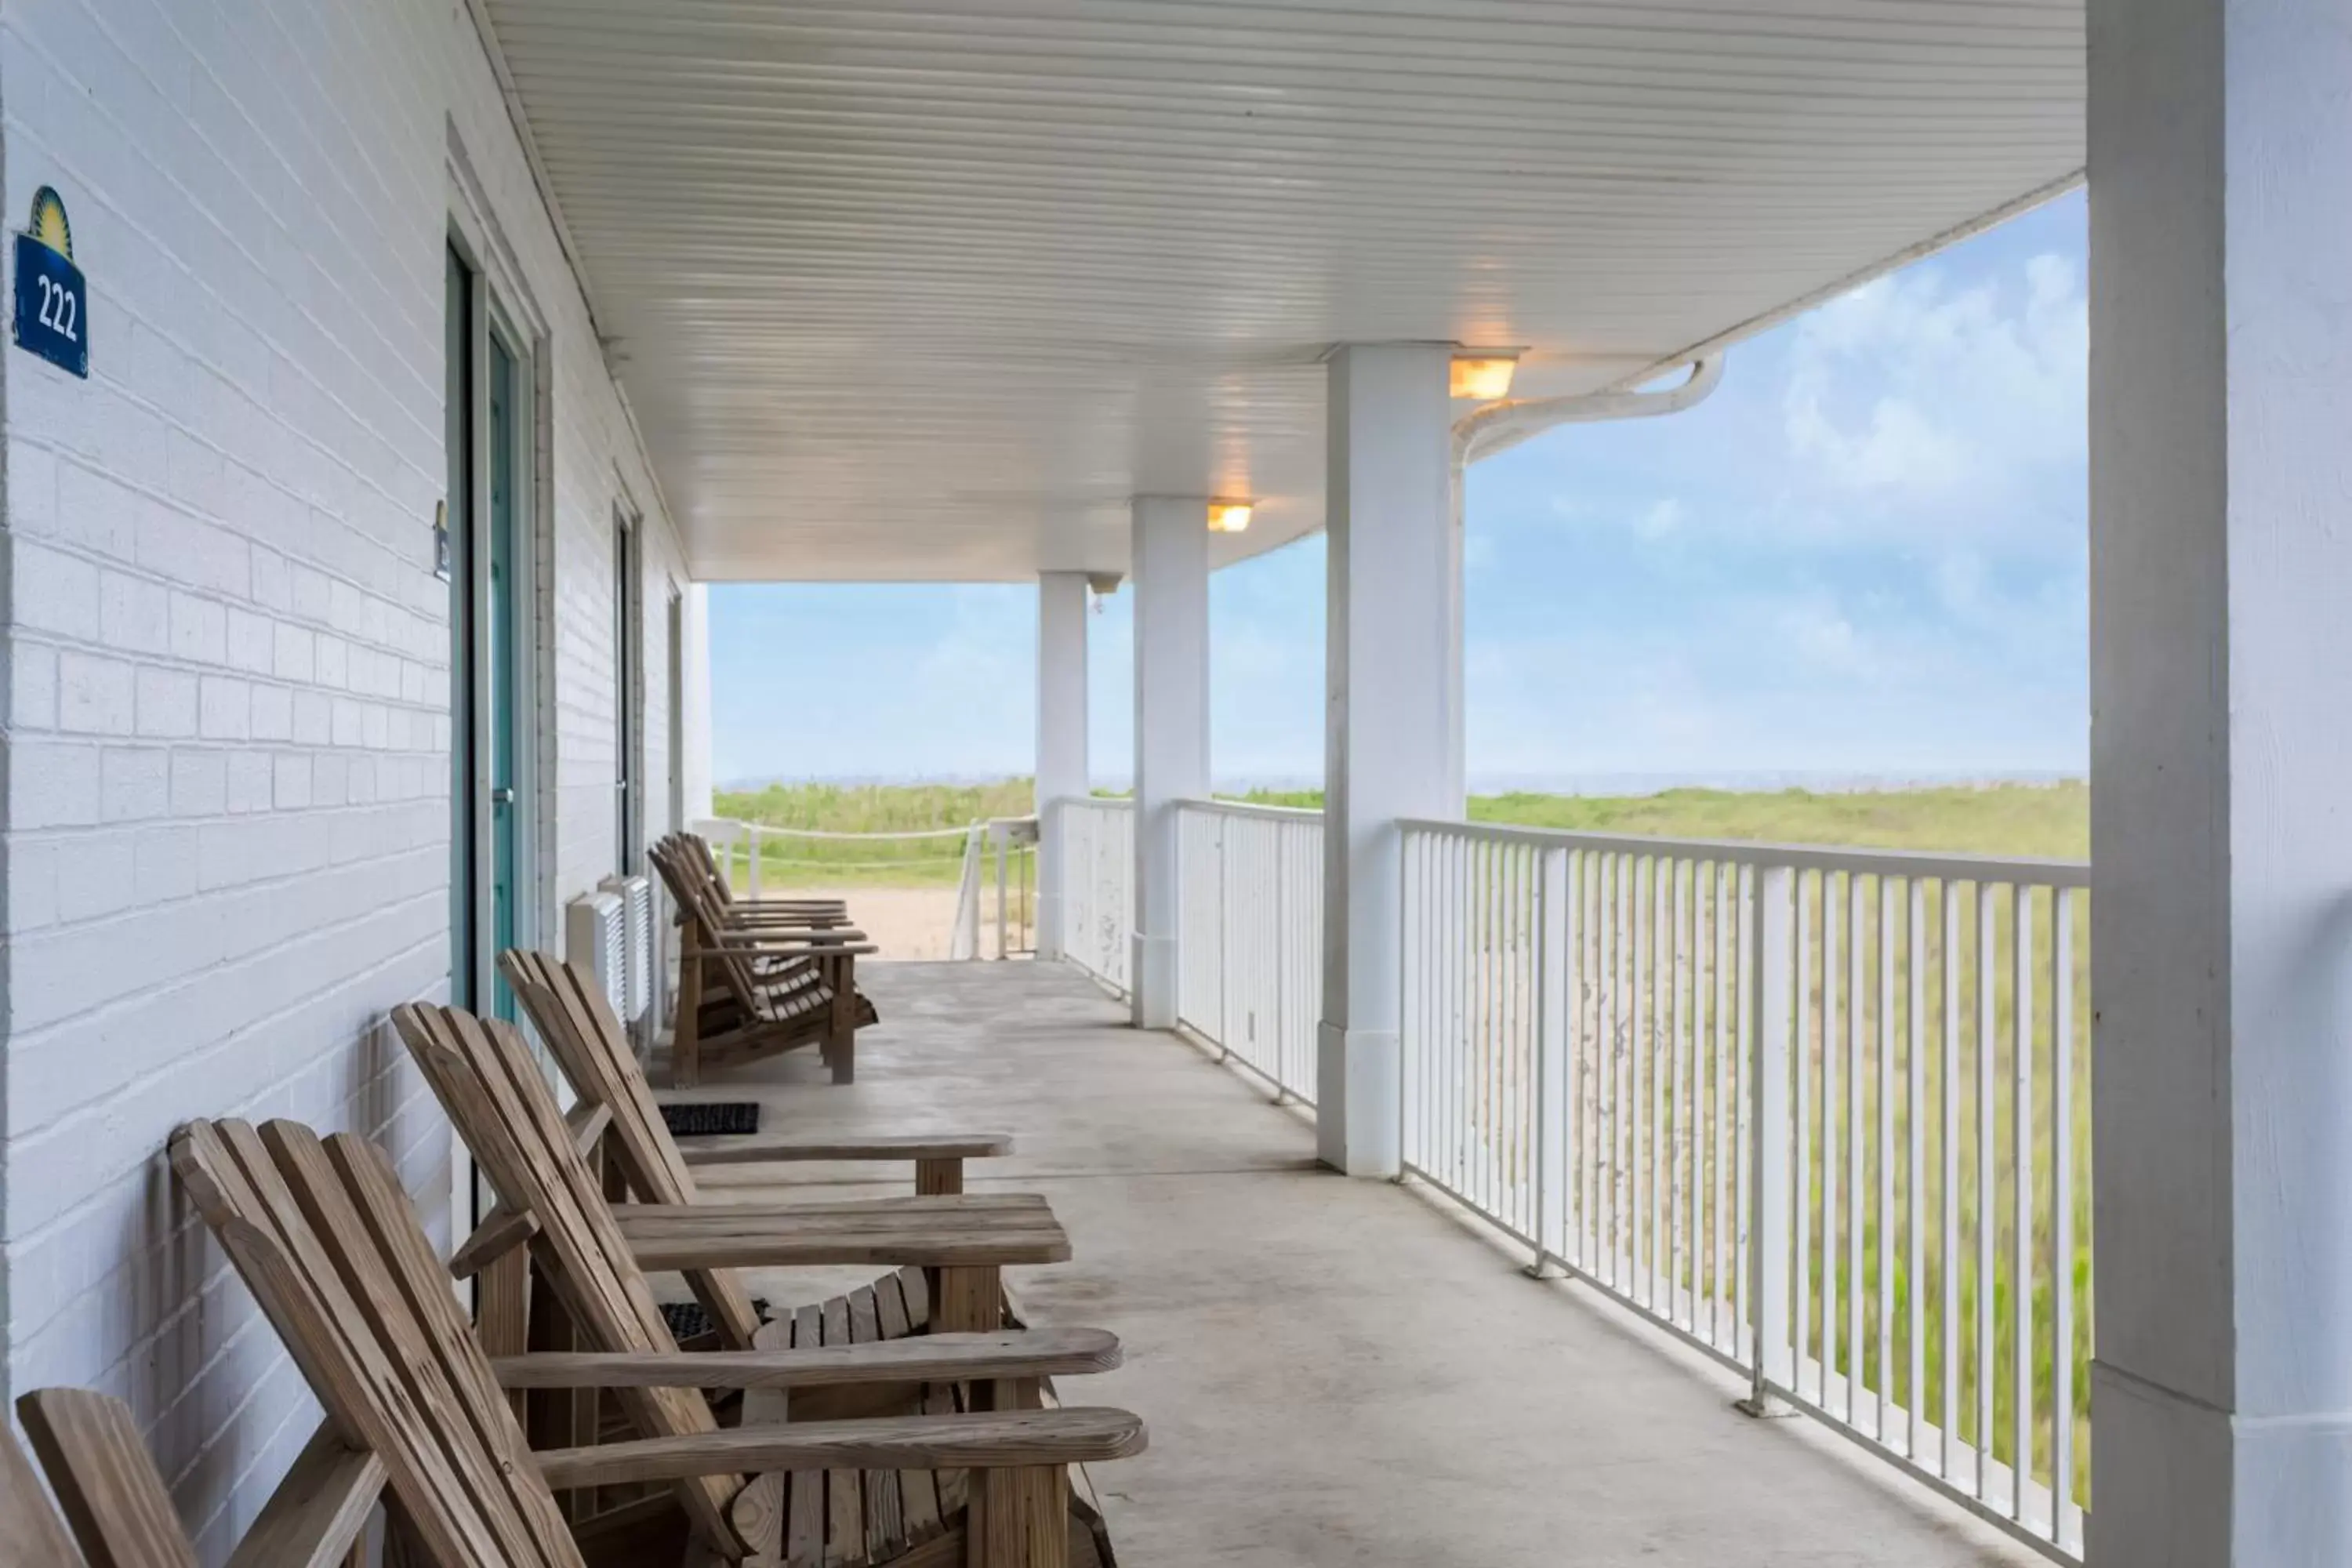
1061, 734
694, 688
1387, 513
2221, 159
1457, 616
1171, 727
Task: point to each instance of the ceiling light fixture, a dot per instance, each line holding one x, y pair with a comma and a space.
1483, 376
1229, 516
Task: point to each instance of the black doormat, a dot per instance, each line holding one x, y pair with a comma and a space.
687, 1320
716, 1118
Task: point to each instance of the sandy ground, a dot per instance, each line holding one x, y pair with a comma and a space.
909, 924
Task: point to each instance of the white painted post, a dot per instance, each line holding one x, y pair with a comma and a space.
1457, 705
694, 693
2220, 160
1171, 731
1061, 737
1771, 1137
1386, 513
752, 847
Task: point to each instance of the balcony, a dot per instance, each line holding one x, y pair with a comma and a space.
1342, 1372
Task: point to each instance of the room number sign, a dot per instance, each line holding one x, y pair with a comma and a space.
52, 316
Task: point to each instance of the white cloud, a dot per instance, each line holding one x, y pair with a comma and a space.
1911, 394
1817, 629
1662, 519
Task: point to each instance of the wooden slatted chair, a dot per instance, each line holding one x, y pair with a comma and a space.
118, 1514
749, 992
590, 1045
328, 1243
595, 1256
704, 859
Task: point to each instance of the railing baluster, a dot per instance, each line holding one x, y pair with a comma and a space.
1856, 1131
1886, 1099
1914, 952
1684, 1188
1773, 915
1831, 1109
1949, 1414
2062, 1213
2020, 1287
1741, 882
1987, 965
1669, 1031
1593, 1056
1802, 1185
1620, 1071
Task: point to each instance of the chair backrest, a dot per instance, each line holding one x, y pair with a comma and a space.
329, 1244
703, 861
693, 898
484, 1076
31, 1533
590, 1045
106, 1484
698, 853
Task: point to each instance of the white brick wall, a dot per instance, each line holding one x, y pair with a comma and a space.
226, 832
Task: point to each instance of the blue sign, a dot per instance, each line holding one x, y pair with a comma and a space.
52, 316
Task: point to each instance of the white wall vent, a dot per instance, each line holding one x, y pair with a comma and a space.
596, 939
636, 896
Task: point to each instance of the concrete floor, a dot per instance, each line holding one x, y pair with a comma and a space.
1334, 1372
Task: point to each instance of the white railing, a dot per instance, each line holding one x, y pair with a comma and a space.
1773, 1096
1010, 843
808, 856
1250, 946
1097, 873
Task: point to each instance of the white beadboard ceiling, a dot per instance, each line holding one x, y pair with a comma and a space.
927, 289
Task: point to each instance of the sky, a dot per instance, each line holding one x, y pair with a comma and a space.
1863, 557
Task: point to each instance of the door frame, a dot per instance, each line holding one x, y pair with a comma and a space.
503, 305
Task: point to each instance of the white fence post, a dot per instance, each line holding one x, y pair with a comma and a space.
1770, 1139
1555, 934
751, 876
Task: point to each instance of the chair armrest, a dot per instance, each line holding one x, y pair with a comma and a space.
701, 1152
501, 1231
587, 1122
768, 911
712, 951
923, 1358
988, 1230
801, 935
317, 1511
989, 1440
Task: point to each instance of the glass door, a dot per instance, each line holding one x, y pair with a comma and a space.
487, 563
504, 684
455, 563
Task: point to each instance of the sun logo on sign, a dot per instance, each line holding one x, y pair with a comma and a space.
49, 224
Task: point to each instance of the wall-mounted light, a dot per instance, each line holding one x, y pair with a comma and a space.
1483, 377
1229, 516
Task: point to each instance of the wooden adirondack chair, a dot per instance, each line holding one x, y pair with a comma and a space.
117, 1513
591, 1047
329, 1245
594, 1257
751, 990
